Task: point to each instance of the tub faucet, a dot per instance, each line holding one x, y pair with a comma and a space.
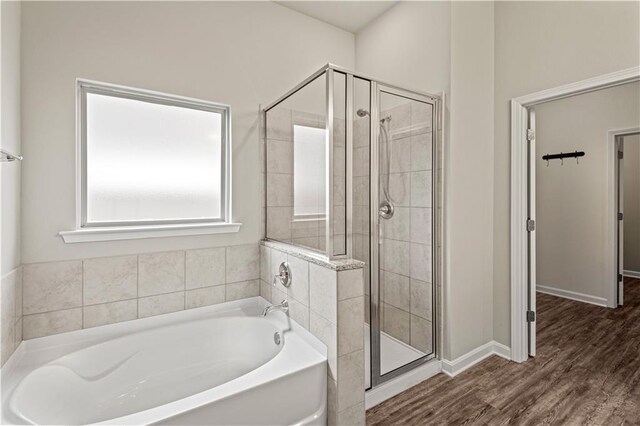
283, 306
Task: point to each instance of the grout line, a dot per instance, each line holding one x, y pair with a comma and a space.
137, 286
82, 289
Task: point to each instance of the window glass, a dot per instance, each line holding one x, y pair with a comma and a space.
148, 161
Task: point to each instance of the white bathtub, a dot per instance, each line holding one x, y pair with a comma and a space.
212, 365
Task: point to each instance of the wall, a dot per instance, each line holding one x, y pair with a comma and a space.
470, 207
130, 43
408, 45
539, 45
572, 199
10, 181
11, 140
632, 203
448, 47
406, 275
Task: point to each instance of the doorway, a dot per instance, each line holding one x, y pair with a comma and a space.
523, 205
627, 143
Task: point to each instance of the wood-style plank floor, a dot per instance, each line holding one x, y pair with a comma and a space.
587, 371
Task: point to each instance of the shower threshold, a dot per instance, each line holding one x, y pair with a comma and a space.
393, 354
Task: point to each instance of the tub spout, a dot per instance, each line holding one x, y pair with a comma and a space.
283, 306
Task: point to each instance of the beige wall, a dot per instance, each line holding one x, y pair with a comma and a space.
448, 47
632, 203
10, 134
572, 199
539, 45
470, 177
408, 45
11, 283
240, 53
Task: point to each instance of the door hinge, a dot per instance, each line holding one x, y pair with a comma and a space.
531, 316
621, 154
620, 216
531, 134
531, 225
619, 278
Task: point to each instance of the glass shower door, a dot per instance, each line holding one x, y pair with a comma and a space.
403, 202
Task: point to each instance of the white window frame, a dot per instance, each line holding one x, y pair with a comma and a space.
105, 231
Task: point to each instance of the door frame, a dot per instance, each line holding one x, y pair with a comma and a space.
614, 239
519, 253
377, 89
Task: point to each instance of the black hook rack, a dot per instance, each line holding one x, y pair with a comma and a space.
563, 155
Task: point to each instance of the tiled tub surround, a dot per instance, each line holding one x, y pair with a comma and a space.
76, 294
11, 296
406, 256
278, 153
328, 301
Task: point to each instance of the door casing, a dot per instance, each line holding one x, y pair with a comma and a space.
520, 265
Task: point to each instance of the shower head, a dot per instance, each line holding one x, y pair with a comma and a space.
362, 112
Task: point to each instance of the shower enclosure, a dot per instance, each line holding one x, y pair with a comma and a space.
351, 171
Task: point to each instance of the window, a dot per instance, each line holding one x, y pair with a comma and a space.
309, 171
149, 160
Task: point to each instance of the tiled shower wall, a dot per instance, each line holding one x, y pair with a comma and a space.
328, 301
281, 224
71, 295
360, 196
406, 252
11, 294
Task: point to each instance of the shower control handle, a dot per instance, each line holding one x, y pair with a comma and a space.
283, 275
386, 210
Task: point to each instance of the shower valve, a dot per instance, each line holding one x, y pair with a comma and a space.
283, 275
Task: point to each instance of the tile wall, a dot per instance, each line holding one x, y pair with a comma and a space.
11, 311
406, 250
330, 304
71, 295
360, 196
281, 224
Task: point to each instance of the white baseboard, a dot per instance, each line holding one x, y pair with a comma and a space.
468, 360
631, 274
451, 368
401, 383
580, 297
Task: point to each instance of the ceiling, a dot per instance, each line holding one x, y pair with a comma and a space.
350, 15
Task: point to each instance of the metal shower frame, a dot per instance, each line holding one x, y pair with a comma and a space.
377, 87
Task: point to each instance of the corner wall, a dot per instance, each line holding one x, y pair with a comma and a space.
540, 45
448, 47
470, 177
10, 271
10, 131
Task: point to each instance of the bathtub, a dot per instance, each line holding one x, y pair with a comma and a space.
222, 364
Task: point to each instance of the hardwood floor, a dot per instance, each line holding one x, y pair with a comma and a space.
587, 371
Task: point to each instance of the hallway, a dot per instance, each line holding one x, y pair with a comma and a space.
587, 371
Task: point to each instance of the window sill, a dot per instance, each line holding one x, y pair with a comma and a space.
85, 235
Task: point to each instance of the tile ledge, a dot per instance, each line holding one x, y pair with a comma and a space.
313, 257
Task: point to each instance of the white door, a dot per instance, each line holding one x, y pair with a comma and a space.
620, 197
531, 310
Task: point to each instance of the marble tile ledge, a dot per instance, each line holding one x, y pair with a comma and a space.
313, 257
